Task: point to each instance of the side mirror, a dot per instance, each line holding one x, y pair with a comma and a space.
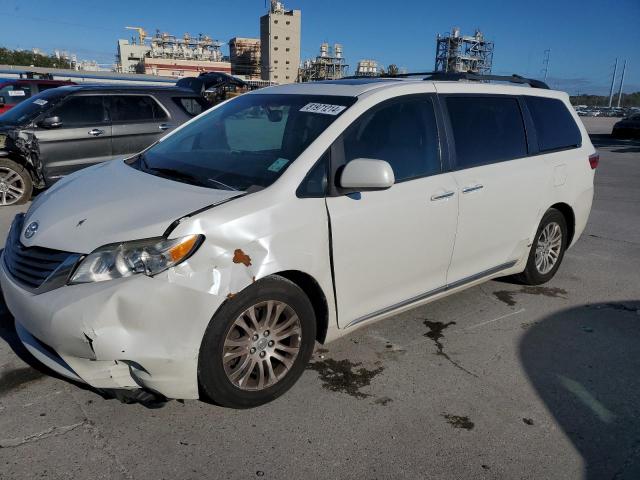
2, 101
365, 174
51, 122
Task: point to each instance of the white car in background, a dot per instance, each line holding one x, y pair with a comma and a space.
210, 264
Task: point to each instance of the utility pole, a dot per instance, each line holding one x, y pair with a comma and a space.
624, 69
545, 63
613, 81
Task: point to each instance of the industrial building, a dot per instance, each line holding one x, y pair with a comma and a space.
166, 55
458, 53
367, 68
280, 43
329, 65
244, 54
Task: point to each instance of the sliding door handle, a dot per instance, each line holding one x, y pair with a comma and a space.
442, 196
472, 188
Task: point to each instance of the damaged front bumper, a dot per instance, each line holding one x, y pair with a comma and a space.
132, 333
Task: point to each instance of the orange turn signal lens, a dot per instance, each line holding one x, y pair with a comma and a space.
184, 248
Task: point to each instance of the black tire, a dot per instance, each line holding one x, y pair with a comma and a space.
24, 181
531, 274
215, 384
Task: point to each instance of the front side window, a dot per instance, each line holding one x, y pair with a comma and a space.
486, 129
80, 111
403, 133
555, 127
135, 108
246, 143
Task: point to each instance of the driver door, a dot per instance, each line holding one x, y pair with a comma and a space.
393, 247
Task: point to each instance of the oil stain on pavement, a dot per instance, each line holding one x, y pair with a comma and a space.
507, 296
435, 334
457, 421
343, 376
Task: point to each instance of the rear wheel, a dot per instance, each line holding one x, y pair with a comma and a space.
257, 345
547, 250
15, 183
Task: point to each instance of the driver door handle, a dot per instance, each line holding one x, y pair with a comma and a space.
96, 132
442, 196
164, 126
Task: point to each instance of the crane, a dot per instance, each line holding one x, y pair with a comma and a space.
141, 33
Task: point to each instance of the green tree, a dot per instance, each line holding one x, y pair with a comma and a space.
27, 58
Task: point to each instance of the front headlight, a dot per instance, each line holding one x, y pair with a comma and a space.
119, 260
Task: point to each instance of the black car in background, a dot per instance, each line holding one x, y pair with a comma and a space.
627, 127
65, 129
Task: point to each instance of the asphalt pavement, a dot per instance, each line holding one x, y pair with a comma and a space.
499, 381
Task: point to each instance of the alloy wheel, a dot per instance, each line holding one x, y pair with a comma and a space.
11, 186
548, 248
262, 345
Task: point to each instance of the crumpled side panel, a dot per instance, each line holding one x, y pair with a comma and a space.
25, 144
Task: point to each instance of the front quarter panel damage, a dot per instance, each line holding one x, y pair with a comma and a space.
244, 245
24, 145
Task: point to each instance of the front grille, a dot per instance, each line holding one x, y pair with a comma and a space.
31, 266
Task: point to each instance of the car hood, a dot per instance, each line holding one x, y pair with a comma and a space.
112, 202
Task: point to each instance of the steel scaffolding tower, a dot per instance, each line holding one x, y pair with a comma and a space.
329, 65
456, 53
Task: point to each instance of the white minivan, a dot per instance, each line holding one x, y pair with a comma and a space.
210, 264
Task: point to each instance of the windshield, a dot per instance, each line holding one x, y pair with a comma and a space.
245, 144
27, 111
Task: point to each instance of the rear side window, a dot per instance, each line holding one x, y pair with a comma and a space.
404, 133
191, 105
555, 127
135, 108
486, 129
81, 111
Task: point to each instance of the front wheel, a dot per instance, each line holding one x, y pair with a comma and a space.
257, 345
547, 250
15, 183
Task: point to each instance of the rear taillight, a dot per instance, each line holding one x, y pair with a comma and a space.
594, 160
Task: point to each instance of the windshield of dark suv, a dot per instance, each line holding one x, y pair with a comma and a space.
27, 111
244, 144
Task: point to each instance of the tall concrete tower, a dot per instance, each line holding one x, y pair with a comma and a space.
280, 43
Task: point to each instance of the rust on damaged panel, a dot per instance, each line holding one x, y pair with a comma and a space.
240, 257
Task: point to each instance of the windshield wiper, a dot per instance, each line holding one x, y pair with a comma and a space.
172, 173
218, 182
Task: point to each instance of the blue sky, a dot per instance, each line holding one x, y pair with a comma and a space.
584, 36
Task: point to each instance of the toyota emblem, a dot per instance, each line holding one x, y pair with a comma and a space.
31, 230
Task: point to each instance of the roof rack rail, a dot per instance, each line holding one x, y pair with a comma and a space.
453, 76
481, 77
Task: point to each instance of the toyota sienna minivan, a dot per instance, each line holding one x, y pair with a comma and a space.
210, 264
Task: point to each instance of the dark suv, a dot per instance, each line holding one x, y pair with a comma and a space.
64, 129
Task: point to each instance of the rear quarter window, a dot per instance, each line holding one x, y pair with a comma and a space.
555, 127
192, 106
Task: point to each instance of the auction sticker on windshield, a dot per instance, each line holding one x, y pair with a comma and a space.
324, 108
17, 93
